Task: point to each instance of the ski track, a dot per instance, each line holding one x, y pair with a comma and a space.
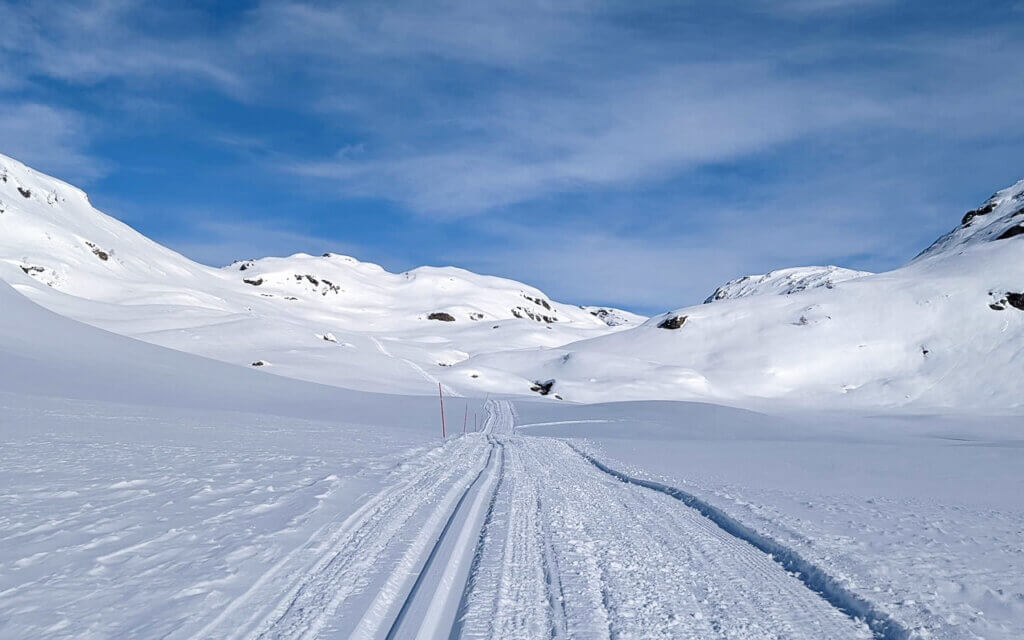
415, 367
495, 535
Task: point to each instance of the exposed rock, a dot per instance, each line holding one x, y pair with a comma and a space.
1011, 232
244, 265
673, 322
329, 337
25, 193
260, 363
1015, 300
29, 270
442, 316
99, 253
539, 301
476, 316
253, 281
290, 298
980, 211
330, 287
522, 312
543, 388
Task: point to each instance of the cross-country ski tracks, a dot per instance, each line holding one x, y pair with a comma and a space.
584, 555
309, 595
509, 537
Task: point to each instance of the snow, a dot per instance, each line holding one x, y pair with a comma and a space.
784, 282
919, 514
67, 256
147, 491
940, 333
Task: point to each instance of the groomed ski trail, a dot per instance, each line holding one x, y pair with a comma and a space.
571, 551
500, 536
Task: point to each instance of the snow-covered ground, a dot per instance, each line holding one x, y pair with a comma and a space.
921, 515
151, 492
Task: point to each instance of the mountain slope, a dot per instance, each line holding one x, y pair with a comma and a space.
947, 330
784, 282
329, 319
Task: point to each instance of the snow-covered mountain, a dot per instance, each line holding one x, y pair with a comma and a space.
784, 282
330, 318
946, 330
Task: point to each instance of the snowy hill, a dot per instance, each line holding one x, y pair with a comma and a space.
784, 282
329, 319
946, 330
1001, 217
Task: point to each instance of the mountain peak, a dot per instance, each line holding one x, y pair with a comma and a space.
1001, 217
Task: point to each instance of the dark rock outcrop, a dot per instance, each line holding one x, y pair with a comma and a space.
442, 316
1011, 232
673, 322
980, 211
25, 193
253, 281
539, 301
523, 312
99, 253
1015, 300
543, 388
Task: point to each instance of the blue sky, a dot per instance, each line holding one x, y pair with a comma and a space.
635, 154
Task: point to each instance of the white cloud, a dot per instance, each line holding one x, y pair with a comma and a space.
52, 140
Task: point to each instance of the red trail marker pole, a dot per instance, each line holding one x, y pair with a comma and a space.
440, 396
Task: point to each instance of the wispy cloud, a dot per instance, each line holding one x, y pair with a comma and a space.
682, 143
50, 139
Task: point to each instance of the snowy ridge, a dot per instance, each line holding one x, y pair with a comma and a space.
784, 282
1001, 217
942, 332
330, 319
